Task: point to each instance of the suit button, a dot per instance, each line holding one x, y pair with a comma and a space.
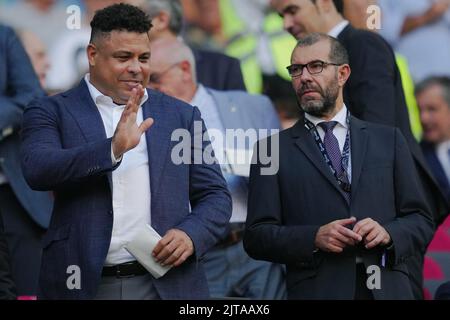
110, 212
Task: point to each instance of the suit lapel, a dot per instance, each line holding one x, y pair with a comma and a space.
305, 141
358, 137
158, 137
86, 114
345, 33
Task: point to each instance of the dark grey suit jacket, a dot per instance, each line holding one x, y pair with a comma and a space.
287, 209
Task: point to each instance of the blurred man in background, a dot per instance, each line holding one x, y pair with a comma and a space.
213, 69
37, 52
433, 97
229, 270
25, 213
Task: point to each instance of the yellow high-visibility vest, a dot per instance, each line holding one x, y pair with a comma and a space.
242, 44
408, 90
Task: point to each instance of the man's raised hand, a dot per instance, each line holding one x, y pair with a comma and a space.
128, 133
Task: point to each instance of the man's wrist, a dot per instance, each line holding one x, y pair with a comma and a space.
114, 158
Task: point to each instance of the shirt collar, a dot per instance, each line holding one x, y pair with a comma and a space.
99, 97
443, 147
200, 95
340, 118
337, 29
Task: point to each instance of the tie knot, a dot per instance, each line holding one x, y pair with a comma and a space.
328, 125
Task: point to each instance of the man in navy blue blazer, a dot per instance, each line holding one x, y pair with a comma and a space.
105, 149
433, 98
25, 213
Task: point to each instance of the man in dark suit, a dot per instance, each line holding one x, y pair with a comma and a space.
373, 92
25, 213
104, 148
7, 287
433, 98
214, 69
357, 206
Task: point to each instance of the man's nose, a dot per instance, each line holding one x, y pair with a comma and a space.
287, 23
305, 76
134, 67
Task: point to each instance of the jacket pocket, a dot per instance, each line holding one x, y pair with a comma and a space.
54, 235
402, 267
297, 276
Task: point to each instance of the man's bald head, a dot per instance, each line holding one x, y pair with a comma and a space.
173, 68
167, 51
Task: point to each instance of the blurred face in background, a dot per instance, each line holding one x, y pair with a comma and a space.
94, 5
37, 52
300, 17
118, 63
42, 5
434, 114
171, 72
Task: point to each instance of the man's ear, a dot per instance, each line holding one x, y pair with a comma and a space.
187, 70
343, 74
92, 53
161, 21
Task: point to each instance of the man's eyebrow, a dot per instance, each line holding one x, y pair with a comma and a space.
122, 52
288, 9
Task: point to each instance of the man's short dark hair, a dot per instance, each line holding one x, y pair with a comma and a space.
442, 81
119, 17
338, 53
339, 4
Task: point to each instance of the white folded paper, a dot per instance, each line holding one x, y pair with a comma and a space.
141, 248
239, 161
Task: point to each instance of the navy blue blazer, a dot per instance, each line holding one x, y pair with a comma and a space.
285, 211
7, 286
18, 86
436, 167
218, 71
65, 149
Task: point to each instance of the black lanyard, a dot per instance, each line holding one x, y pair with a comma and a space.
342, 179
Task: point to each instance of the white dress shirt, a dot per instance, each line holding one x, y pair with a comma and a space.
337, 29
237, 185
131, 181
340, 132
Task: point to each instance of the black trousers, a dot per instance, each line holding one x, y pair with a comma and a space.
361, 290
24, 238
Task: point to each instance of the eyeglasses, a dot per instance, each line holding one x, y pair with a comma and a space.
155, 78
314, 67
